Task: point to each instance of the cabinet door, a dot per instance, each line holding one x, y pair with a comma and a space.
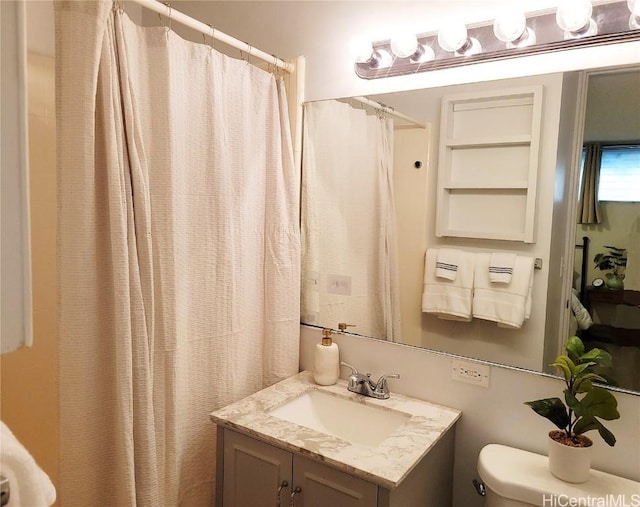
322, 486
254, 473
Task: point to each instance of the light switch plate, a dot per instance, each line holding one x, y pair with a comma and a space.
339, 284
471, 373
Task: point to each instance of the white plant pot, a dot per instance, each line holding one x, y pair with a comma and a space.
570, 464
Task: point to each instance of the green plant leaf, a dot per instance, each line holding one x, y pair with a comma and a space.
606, 435
566, 365
604, 359
584, 424
591, 355
574, 347
601, 357
581, 367
589, 423
584, 383
571, 400
583, 386
598, 402
552, 409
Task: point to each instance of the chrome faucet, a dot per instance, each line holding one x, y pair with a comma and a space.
362, 384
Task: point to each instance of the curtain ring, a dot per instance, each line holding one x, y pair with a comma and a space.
213, 38
168, 27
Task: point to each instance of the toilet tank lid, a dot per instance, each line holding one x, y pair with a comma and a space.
524, 476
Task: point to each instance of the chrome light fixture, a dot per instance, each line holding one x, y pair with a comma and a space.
574, 24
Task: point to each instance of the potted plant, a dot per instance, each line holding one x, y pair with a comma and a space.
583, 406
615, 260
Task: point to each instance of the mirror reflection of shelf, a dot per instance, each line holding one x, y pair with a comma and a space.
487, 184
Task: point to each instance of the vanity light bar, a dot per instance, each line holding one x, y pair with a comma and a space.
607, 23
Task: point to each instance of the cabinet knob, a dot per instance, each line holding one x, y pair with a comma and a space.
293, 496
283, 485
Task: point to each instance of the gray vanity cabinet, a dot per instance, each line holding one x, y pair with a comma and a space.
252, 473
258, 474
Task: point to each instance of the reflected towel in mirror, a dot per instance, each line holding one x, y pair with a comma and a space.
447, 260
509, 305
448, 299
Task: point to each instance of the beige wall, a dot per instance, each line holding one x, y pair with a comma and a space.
29, 375
613, 107
410, 189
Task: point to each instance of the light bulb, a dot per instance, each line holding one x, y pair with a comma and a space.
453, 36
574, 16
404, 45
361, 50
510, 26
634, 19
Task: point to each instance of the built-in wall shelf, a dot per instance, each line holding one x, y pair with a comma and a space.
487, 183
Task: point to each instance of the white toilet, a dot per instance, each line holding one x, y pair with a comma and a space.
517, 478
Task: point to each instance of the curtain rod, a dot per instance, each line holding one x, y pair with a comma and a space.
389, 110
174, 15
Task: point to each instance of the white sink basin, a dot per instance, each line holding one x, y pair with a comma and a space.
341, 417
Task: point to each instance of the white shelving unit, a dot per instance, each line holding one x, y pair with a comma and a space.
488, 164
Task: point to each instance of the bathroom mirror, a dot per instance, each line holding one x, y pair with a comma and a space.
346, 231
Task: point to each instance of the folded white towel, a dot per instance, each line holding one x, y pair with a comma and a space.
508, 305
501, 267
447, 261
30, 486
450, 299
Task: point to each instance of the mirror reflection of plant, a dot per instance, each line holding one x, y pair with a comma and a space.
615, 260
584, 404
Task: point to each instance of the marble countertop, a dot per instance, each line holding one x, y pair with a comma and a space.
386, 465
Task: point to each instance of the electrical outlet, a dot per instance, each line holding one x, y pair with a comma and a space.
471, 373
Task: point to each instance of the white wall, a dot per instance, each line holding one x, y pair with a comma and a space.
493, 415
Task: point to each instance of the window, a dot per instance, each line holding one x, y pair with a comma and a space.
619, 173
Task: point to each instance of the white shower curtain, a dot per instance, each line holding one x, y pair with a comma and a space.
349, 258
178, 254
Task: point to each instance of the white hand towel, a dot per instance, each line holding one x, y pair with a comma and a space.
582, 315
30, 485
450, 299
508, 305
501, 267
447, 261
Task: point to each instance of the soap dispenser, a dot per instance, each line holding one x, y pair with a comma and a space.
326, 361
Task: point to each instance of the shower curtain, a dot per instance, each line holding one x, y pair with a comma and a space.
349, 257
178, 254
